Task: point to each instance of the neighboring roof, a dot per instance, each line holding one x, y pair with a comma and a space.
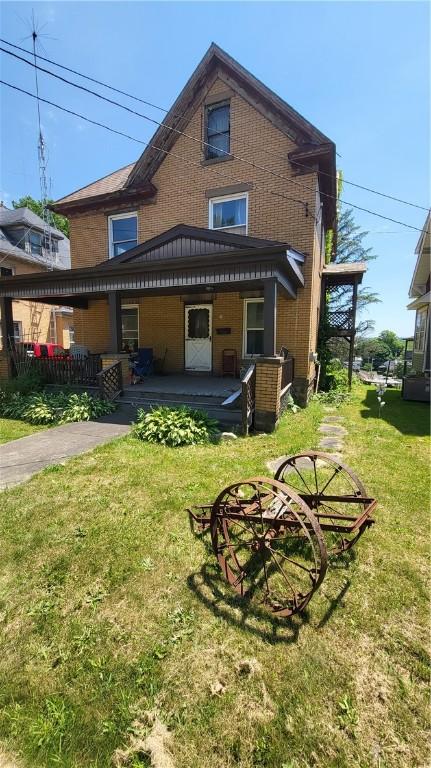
10, 218
110, 183
184, 240
26, 217
422, 267
7, 249
128, 181
421, 301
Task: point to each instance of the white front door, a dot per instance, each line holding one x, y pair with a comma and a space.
198, 332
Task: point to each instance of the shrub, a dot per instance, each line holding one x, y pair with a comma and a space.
52, 408
333, 397
337, 376
174, 426
25, 383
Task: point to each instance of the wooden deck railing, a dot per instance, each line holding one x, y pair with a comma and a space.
58, 370
248, 398
110, 381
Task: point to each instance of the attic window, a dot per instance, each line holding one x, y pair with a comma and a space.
217, 133
36, 243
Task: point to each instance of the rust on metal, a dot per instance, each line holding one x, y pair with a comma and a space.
268, 533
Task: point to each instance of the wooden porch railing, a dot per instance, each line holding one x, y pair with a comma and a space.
287, 374
248, 398
110, 381
57, 370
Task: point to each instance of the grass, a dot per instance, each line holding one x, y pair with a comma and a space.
109, 608
10, 429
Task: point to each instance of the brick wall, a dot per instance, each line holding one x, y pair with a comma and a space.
162, 321
181, 199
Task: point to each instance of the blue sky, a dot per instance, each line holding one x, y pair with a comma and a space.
359, 71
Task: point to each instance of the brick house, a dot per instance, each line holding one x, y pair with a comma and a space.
212, 240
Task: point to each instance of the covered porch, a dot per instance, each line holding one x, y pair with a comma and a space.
194, 308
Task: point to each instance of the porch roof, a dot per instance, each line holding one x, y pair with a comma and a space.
235, 269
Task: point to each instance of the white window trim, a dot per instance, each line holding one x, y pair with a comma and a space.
245, 328
134, 306
128, 215
226, 199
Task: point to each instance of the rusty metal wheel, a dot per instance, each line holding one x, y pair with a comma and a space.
330, 488
269, 544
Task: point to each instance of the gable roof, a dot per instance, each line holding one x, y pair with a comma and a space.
218, 63
183, 241
135, 179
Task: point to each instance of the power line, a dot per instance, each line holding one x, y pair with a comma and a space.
181, 115
148, 144
199, 141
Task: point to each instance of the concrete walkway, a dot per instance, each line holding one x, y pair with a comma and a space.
21, 459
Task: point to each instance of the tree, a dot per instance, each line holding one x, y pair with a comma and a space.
351, 248
395, 344
60, 222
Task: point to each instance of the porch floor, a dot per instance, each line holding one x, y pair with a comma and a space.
181, 384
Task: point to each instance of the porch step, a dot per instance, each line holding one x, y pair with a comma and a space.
177, 398
226, 416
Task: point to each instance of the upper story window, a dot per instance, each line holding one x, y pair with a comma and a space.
36, 243
217, 133
229, 213
123, 233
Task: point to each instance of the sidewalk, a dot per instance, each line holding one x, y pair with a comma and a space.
21, 459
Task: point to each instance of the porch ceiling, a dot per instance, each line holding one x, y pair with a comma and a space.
225, 271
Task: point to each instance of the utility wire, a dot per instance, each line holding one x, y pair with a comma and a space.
163, 109
199, 141
147, 144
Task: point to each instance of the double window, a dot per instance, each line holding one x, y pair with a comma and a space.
253, 327
123, 233
217, 134
229, 213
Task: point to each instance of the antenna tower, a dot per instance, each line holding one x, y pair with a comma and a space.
43, 162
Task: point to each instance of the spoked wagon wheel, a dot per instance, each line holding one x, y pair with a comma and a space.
330, 489
269, 544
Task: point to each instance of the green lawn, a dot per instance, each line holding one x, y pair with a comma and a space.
12, 430
110, 609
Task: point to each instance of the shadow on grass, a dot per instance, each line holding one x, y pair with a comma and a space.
334, 603
215, 593
407, 417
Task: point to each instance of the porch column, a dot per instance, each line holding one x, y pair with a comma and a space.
269, 317
115, 332
7, 337
6, 320
352, 337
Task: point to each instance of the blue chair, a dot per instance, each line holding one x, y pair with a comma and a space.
144, 363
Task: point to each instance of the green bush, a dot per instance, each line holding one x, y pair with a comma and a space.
337, 376
25, 383
52, 407
174, 426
